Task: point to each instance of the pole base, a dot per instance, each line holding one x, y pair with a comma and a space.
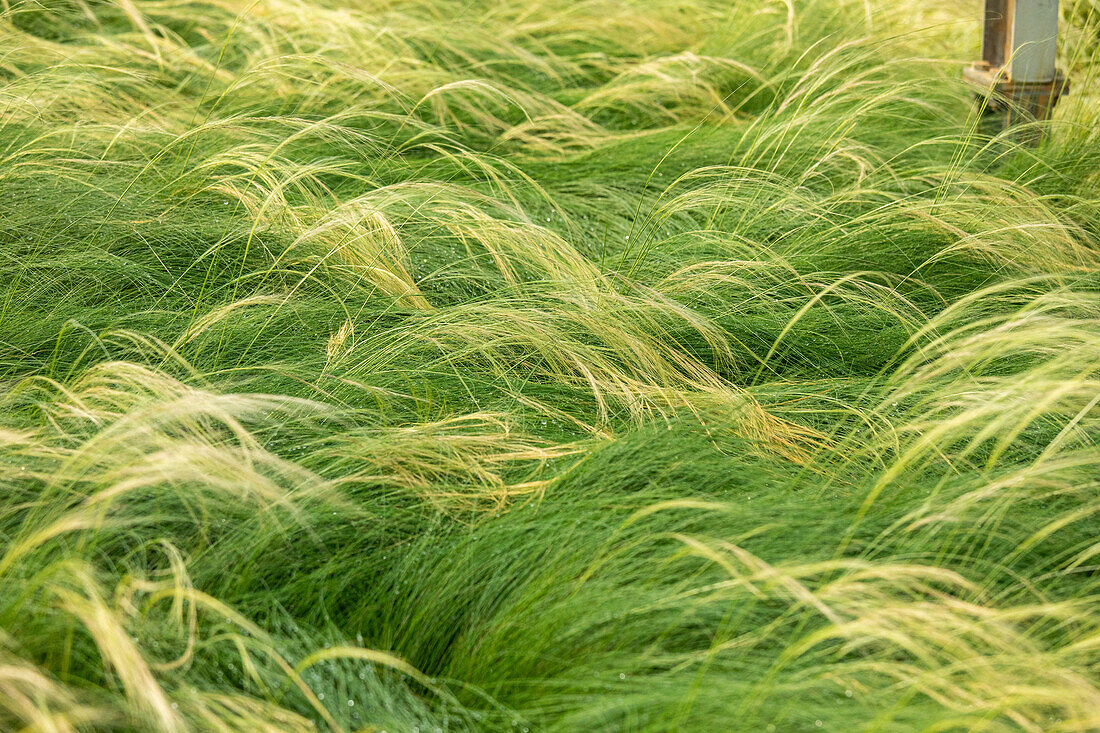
1015, 101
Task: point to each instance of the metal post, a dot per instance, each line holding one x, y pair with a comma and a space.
1017, 73
1034, 41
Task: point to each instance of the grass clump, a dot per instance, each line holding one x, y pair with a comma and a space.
426, 365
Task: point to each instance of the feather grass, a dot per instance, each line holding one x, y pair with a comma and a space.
421, 365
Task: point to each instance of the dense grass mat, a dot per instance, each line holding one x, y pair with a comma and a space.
423, 365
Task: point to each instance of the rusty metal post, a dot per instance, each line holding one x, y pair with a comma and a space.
1017, 75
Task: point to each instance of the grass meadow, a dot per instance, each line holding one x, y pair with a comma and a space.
535, 365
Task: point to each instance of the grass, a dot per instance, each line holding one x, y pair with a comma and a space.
424, 365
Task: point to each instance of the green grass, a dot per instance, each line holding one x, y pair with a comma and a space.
423, 365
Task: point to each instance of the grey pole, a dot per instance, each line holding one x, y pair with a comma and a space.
1018, 75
